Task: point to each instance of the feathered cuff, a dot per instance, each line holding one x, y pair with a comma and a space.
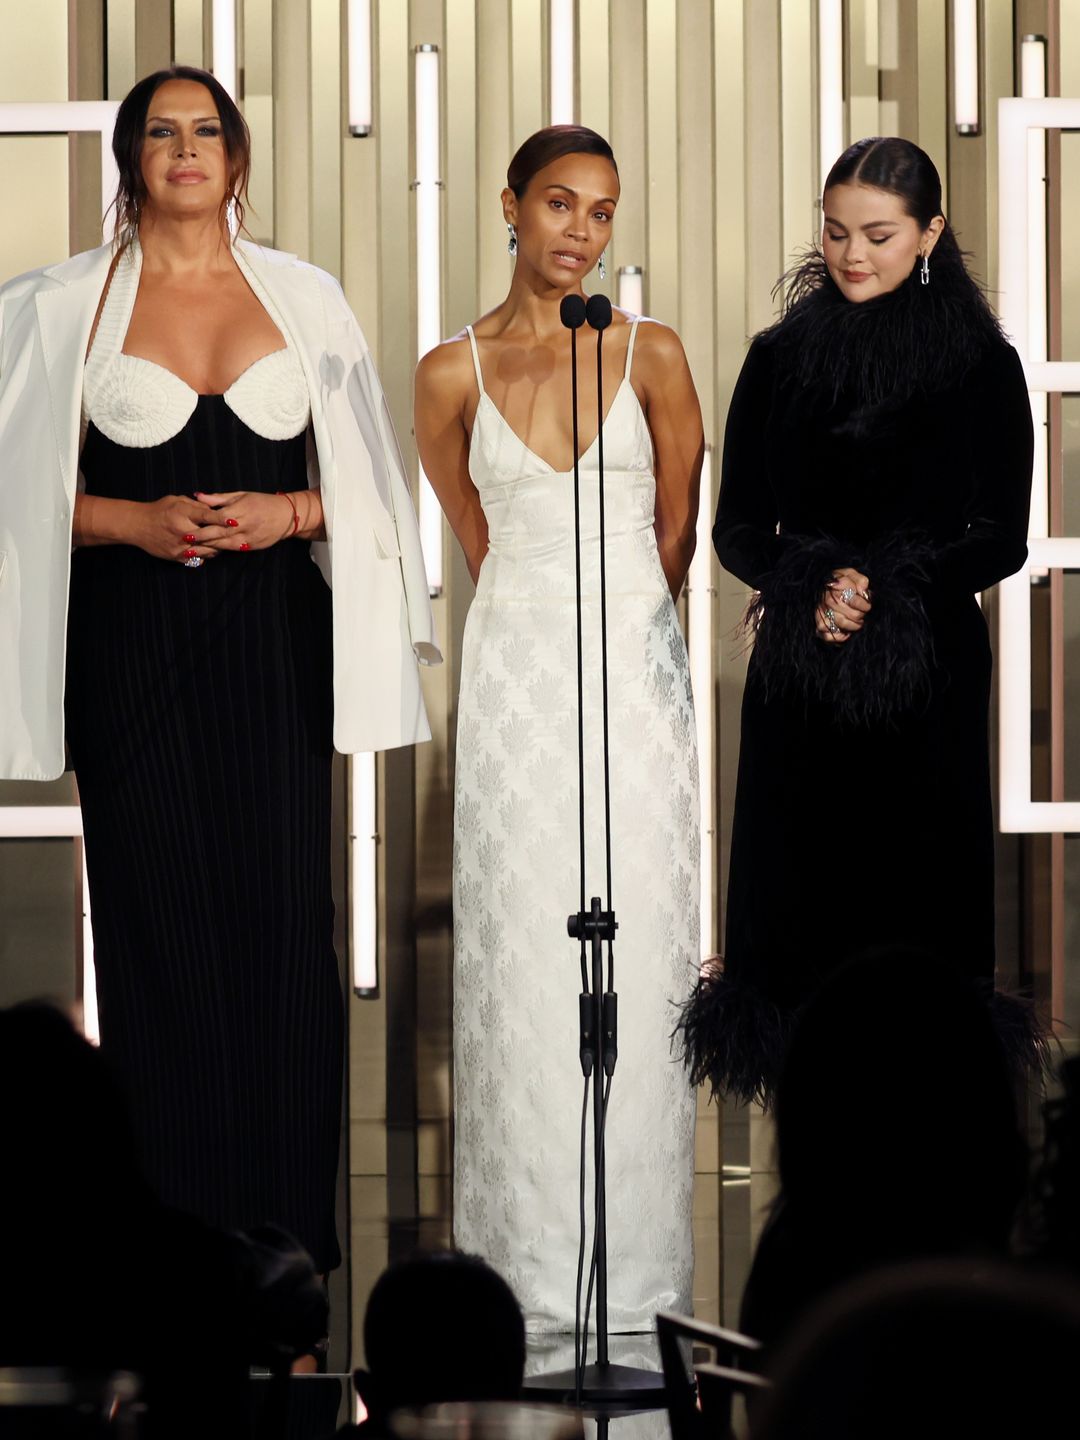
881, 672
732, 1036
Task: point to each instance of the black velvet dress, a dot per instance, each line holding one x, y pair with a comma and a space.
199, 712
862, 811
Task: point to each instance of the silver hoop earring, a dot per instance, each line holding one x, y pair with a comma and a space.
601, 268
924, 273
511, 244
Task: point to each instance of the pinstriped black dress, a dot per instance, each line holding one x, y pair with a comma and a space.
199, 712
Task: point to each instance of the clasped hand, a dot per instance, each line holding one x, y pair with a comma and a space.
178, 527
843, 608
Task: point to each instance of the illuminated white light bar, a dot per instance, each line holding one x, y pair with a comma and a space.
360, 111
91, 1029
561, 60
1019, 813
965, 34
830, 15
1033, 86
67, 117
363, 901
632, 289
428, 187
223, 22
699, 619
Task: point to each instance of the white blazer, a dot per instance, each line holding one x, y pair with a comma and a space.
372, 560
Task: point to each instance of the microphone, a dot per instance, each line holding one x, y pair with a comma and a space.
597, 311
573, 312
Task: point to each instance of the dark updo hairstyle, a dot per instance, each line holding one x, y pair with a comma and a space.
130, 130
552, 143
900, 168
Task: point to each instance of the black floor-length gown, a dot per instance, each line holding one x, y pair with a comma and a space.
863, 810
199, 713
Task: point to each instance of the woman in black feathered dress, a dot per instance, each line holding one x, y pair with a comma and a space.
876, 478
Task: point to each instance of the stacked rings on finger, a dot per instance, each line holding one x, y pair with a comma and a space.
193, 562
830, 622
847, 594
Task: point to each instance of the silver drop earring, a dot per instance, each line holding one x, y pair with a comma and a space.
601, 268
924, 273
511, 244
230, 217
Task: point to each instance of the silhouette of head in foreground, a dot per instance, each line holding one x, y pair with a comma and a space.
936, 1350
897, 1135
440, 1327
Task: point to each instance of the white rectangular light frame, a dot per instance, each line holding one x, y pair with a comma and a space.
1033, 87
965, 68
830, 18
631, 289
66, 117
428, 188
561, 60
699, 605
1017, 117
223, 31
363, 894
359, 38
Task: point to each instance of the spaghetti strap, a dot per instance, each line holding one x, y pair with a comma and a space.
630, 346
476, 359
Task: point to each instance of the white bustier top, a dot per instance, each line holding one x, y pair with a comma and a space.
138, 403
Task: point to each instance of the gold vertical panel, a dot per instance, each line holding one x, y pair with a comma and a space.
188, 38
33, 66
258, 107
153, 36
764, 232
494, 147
932, 63
291, 127
462, 215
797, 127
662, 143
360, 252
997, 79
120, 72
86, 81
593, 69
862, 71
627, 137
527, 96
696, 192
397, 324
327, 125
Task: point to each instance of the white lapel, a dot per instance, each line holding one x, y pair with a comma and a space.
65, 316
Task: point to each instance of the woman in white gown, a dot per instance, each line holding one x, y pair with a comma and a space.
493, 426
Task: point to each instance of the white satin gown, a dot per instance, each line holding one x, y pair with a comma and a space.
517, 1080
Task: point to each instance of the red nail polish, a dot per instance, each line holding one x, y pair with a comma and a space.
245, 546
190, 539
232, 524
188, 554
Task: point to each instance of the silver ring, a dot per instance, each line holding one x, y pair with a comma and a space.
193, 562
847, 594
830, 622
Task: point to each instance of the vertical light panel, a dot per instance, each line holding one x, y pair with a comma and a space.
91, 1028
1033, 87
561, 61
830, 18
632, 289
965, 57
223, 20
363, 901
360, 111
428, 187
699, 620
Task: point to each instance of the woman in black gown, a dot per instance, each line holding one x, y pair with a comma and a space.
876, 477
227, 397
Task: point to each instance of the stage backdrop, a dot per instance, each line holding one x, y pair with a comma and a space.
719, 112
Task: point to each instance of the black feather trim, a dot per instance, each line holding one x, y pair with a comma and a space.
878, 353
878, 674
1029, 1043
734, 1037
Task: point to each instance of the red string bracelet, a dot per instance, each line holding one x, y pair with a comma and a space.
295, 512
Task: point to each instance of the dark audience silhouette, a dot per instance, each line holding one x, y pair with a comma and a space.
99, 1276
897, 1136
439, 1327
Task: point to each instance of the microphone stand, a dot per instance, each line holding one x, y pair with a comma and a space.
619, 1387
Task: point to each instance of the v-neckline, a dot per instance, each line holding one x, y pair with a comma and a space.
588, 449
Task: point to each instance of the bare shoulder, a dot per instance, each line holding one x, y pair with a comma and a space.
446, 370
658, 346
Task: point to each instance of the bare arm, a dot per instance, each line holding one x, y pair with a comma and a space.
443, 378
674, 417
